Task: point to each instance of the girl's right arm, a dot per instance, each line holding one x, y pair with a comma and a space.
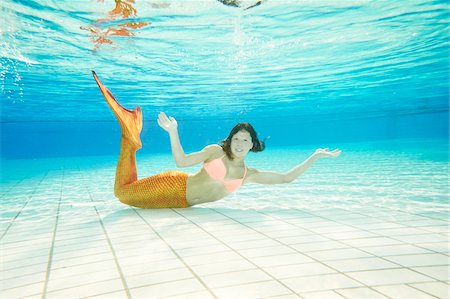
170, 125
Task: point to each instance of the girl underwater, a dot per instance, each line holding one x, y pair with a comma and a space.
223, 170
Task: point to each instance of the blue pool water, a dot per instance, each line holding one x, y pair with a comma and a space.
370, 77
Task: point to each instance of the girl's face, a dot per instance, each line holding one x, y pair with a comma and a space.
241, 144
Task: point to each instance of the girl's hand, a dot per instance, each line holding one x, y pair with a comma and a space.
325, 152
169, 124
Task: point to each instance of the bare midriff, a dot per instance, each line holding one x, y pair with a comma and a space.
201, 188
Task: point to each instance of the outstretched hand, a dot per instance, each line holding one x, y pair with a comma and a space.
325, 152
169, 124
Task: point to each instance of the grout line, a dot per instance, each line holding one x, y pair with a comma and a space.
379, 235
116, 260
235, 251
319, 261
417, 288
378, 256
23, 207
359, 229
50, 256
176, 254
5, 192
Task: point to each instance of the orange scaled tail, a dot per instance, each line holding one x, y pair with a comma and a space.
130, 120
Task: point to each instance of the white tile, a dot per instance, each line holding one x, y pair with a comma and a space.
80, 253
437, 272
371, 263
320, 283
36, 296
366, 242
309, 269
438, 289
254, 290
280, 260
441, 247
235, 278
139, 248
186, 235
338, 254
403, 231
320, 224
77, 234
80, 270
266, 251
390, 250
107, 256
253, 244
318, 246
18, 272
87, 290
358, 293
310, 238
322, 295
187, 252
194, 295
151, 256
425, 238
358, 234
291, 296
391, 276
336, 228
211, 258
194, 243
22, 291
402, 291
416, 260
27, 257
382, 225
113, 295
442, 229
151, 266
239, 236
223, 267
285, 232
238, 230
59, 248
132, 234
145, 279
164, 290
92, 239
22, 280
30, 253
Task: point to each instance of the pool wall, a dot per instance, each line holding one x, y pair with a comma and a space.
24, 140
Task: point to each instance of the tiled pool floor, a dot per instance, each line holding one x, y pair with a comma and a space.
64, 235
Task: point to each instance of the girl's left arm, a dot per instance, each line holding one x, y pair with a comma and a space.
268, 177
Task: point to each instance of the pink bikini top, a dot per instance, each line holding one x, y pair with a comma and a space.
217, 171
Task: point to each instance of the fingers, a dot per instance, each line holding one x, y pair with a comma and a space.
327, 153
165, 119
336, 152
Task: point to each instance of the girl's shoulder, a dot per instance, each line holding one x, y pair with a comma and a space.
214, 151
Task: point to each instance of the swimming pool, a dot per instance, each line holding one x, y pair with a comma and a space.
368, 77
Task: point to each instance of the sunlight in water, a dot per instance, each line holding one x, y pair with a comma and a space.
123, 10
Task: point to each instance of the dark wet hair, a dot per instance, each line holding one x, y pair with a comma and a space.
258, 145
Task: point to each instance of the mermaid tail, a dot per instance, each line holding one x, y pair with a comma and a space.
130, 120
